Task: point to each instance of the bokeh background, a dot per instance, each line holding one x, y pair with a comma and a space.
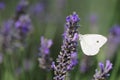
47, 18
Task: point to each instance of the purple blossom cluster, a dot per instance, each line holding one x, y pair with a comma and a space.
21, 8
6, 34
37, 9
44, 55
15, 31
115, 32
67, 58
13, 35
23, 26
103, 73
113, 41
2, 5
22, 21
1, 58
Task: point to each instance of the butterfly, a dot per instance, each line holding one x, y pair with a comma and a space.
91, 43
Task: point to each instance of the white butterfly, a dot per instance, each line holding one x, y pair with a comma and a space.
91, 43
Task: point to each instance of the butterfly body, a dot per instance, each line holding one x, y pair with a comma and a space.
91, 43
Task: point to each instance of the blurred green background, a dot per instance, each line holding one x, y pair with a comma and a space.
96, 16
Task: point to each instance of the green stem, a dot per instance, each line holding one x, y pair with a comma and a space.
48, 76
115, 68
67, 76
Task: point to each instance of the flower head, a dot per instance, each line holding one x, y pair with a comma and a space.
44, 56
115, 30
2, 5
37, 8
103, 73
23, 24
21, 6
93, 19
113, 41
1, 58
67, 58
6, 34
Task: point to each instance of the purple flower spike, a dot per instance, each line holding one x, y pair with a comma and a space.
37, 8
104, 71
93, 18
2, 5
6, 27
24, 24
23, 27
115, 30
21, 6
67, 58
44, 56
113, 41
1, 58
6, 34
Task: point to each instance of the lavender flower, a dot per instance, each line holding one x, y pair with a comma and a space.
6, 35
23, 26
37, 9
113, 41
2, 5
21, 7
94, 27
103, 73
66, 59
16, 30
44, 59
93, 19
1, 58
22, 20
115, 32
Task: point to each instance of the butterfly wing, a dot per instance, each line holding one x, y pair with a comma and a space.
88, 49
91, 43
